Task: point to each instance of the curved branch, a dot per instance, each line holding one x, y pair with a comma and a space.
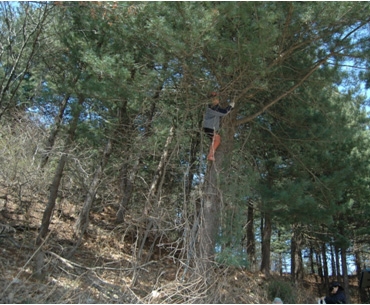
273, 102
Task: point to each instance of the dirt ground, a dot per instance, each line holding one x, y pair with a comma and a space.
104, 268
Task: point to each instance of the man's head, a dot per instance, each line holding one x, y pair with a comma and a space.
334, 287
214, 96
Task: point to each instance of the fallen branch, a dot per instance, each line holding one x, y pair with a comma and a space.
72, 265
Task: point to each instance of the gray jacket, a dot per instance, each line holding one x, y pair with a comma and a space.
213, 116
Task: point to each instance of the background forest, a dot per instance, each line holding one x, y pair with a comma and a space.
103, 172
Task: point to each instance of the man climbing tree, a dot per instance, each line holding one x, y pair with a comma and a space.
211, 123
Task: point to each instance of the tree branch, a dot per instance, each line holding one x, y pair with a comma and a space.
280, 97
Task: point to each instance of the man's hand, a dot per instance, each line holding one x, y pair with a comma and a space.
322, 300
232, 104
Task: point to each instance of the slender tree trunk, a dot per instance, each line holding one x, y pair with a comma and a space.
358, 260
57, 178
83, 219
325, 264
343, 256
345, 274
296, 255
194, 148
337, 262
266, 245
363, 292
312, 265
128, 176
251, 242
280, 256
53, 133
332, 260
211, 205
48, 213
209, 217
319, 265
159, 174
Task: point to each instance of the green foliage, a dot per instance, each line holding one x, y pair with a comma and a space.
232, 257
129, 71
283, 290
230, 240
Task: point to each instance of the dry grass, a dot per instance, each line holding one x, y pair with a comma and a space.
105, 270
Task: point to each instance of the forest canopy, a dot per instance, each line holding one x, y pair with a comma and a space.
102, 103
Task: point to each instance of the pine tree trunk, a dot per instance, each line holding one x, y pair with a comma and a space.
332, 260
251, 242
194, 149
266, 245
337, 262
325, 264
83, 219
211, 205
343, 256
57, 178
159, 174
127, 188
209, 217
358, 260
280, 256
296, 254
319, 265
345, 274
53, 133
363, 292
48, 213
312, 265
127, 175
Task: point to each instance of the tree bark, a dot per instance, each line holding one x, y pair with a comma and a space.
83, 219
319, 265
209, 217
127, 188
325, 264
332, 260
345, 274
337, 262
266, 245
296, 254
48, 213
251, 242
211, 205
312, 265
57, 178
363, 292
53, 133
159, 174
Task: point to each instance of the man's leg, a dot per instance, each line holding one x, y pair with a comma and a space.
216, 140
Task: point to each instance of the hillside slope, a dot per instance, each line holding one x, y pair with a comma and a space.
104, 269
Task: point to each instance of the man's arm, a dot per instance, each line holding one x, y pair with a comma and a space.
223, 110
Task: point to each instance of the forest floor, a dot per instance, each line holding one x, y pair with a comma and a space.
104, 268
